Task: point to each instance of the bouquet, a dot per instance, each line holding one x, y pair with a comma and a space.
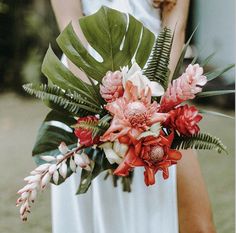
127, 115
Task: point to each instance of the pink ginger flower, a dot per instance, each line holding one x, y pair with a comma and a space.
184, 88
184, 119
132, 114
111, 87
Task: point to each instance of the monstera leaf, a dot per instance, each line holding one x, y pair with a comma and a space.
116, 37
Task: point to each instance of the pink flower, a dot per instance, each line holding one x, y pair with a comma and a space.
184, 119
132, 114
185, 87
111, 87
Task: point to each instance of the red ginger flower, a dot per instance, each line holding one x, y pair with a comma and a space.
184, 119
183, 88
153, 153
112, 87
85, 135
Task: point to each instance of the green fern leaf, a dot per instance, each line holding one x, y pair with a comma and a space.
199, 141
157, 68
69, 100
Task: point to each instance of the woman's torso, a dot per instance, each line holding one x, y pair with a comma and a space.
105, 209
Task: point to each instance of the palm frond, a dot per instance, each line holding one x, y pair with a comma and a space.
69, 100
157, 68
199, 141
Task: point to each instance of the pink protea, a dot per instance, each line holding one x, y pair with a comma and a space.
184, 119
184, 88
132, 113
111, 87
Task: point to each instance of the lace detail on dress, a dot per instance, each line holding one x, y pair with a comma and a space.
168, 4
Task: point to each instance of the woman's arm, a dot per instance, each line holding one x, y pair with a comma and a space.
194, 208
176, 19
66, 12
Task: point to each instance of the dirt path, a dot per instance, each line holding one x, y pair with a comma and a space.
19, 121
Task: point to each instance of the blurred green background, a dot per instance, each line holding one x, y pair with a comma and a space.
26, 29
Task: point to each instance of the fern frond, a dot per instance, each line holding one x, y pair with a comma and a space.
199, 141
157, 68
69, 100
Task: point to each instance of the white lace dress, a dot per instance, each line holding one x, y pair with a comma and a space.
105, 209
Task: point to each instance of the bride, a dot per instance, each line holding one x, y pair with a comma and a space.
179, 204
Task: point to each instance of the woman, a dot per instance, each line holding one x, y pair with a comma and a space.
153, 209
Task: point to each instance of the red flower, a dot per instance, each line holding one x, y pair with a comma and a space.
184, 119
85, 135
153, 153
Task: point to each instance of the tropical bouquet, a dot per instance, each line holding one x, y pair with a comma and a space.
127, 115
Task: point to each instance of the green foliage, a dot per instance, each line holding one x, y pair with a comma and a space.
110, 33
214, 113
54, 130
215, 74
58, 74
207, 60
116, 37
68, 100
50, 135
199, 141
214, 93
157, 68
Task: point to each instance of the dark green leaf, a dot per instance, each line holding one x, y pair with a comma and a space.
51, 134
157, 68
215, 74
207, 60
201, 141
215, 113
70, 101
214, 93
111, 34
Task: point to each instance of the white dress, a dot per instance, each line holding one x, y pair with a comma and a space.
105, 209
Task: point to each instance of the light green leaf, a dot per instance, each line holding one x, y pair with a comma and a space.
115, 36
215, 74
214, 93
207, 60
214, 113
